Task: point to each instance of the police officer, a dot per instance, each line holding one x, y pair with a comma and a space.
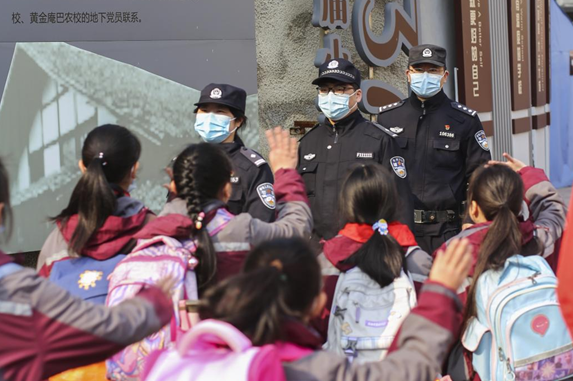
442, 141
220, 113
345, 139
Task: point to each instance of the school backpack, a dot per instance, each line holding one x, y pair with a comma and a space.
85, 277
519, 333
214, 350
366, 317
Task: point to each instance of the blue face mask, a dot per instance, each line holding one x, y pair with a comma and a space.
426, 85
213, 128
335, 107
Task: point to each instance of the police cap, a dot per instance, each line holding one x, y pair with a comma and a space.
223, 94
432, 54
339, 70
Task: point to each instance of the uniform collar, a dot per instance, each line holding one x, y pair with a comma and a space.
346, 123
430, 103
233, 146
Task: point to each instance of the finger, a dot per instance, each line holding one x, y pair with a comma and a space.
450, 249
271, 139
508, 157
459, 253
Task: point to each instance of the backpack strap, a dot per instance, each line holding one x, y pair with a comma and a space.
167, 241
214, 331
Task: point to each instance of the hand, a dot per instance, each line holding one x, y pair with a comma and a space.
511, 162
283, 150
451, 267
169, 172
166, 285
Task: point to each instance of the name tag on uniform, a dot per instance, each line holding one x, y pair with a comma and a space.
445, 134
364, 155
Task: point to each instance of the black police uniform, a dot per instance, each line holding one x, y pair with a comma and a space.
443, 142
252, 177
328, 152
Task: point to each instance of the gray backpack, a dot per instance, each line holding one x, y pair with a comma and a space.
365, 317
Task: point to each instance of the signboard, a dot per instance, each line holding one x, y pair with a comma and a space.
474, 57
519, 65
539, 62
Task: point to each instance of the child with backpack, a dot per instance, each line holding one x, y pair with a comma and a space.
259, 318
100, 219
513, 328
44, 330
375, 256
196, 237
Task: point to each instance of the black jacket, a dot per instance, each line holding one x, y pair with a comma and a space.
440, 140
327, 153
252, 181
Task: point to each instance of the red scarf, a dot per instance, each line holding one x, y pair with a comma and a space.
363, 232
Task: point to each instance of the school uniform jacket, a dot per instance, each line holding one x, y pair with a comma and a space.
109, 240
327, 153
417, 353
242, 232
546, 221
44, 330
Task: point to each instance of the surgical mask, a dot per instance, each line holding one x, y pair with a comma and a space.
426, 85
213, 128
132, 186
335, 107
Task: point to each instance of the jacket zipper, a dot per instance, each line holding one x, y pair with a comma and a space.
335, 135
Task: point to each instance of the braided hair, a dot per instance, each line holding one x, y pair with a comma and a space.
200, 173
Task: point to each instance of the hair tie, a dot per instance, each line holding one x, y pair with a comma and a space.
100, 156
277, 264
381, 226
199, 222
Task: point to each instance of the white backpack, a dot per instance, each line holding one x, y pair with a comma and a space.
365, 317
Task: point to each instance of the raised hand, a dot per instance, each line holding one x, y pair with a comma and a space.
283, 150
511, 162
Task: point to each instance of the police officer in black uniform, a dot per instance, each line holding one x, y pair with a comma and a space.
346, 139
220, 113
442, 141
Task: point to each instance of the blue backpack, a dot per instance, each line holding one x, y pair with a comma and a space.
85, 277
519, 333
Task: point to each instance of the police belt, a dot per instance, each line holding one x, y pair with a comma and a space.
434, 216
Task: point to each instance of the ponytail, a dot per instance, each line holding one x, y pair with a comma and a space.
381, 258
109, 154
280, 281
498, 191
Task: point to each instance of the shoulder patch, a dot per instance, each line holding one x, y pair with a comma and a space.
384, 129
464, 109
254, 157
399, 166
267, 195
391, 106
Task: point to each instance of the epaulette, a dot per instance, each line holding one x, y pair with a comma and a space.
464, 109
254, 157
384, 129
306, 133
391, 106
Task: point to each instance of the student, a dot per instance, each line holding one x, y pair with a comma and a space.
502, 187
101, 217
202, 185
44, 330
372, 239
279, 291
500, 232
220, 116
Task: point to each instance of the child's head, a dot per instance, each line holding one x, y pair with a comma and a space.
281, 280
495, 195
368, 195
202, 173
109, 163
5, 210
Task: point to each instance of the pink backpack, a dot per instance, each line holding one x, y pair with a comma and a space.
214, 350
150, 261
